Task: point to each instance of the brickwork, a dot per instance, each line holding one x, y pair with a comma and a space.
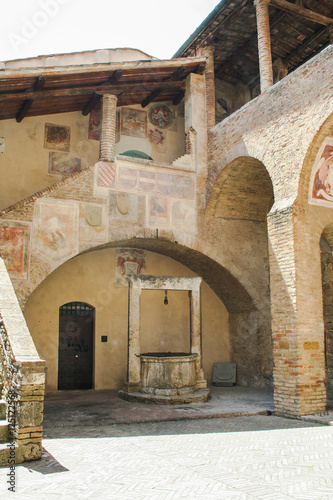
108, 128
264, 44
210, 85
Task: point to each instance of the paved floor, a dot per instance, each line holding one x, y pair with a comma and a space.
257, 456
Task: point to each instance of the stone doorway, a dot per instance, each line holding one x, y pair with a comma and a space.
76, 333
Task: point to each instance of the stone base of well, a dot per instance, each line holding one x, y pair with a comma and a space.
168, 378
199, 396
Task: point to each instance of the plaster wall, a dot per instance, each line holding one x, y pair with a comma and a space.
25, 162
90, 278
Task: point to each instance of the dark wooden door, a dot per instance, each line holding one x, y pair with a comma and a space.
76, 332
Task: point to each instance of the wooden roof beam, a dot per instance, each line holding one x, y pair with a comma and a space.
175, 76
116, 89
302, 12
38, 85
116, 75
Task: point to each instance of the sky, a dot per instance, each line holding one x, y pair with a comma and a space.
42, 27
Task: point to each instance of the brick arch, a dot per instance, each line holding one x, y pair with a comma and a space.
243, 191
325, 130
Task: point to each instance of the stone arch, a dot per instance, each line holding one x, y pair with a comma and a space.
242, 191
246, 321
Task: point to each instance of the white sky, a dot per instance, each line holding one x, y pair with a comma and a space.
41, 27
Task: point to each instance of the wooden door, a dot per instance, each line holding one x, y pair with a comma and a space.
76, 332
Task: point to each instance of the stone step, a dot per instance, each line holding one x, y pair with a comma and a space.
2, 409
6, 454
3, 431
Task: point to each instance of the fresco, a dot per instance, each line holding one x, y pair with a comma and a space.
147, 181
95, 117
14, 248
183, 216
130, 261
321, 182
160, 116
63, 164
156, 137
134, 122
57, 137
56, 229
158, 211
123, 206
106, 174
92, 222
128, 178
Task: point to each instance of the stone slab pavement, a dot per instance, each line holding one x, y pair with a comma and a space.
259, 456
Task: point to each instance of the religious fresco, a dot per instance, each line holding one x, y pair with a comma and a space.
95, 117
14, 248
56, 224
134, 122
92, 222
63, 164
321, 182
160, 116
57, 137
130, 261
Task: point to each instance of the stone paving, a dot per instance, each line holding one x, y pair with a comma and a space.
257, 456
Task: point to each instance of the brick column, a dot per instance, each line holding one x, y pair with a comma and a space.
108, 128
208, 52
297, 317
264, 44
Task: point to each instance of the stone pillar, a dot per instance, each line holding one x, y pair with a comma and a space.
264, 44
297, 317
195, 318
133, 383
108, 128
209, 73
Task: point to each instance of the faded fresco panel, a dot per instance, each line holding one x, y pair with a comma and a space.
165, 184
147, 181
14, 248
56, 229
63, 164
57, 137
134, 122
184, 186
183, 216
130, 261
321, 182
158, 211
92, 222
123, 206
95, 117
128, 179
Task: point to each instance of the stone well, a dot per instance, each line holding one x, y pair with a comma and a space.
164, 377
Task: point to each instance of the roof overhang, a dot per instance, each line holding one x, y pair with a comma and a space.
41, 91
